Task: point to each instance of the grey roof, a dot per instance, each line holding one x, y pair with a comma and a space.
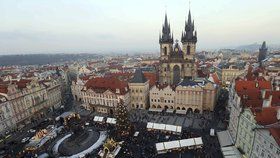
188, 82
138, 77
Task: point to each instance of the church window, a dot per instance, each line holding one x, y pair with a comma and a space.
165, 51
188, 50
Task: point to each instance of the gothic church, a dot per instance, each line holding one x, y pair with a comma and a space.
176, 62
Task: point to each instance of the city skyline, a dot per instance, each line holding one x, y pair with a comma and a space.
125, 26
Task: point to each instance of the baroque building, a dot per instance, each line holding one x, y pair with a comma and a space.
176, 62
102, 94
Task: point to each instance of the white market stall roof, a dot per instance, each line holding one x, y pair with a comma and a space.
111, 120
163, 147
187, 142
170, 110
198, 141
172, 145
155, 110
164, 127
98, 118
181, 111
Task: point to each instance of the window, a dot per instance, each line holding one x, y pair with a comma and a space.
188, 50
271, 146
165, 50
268, 156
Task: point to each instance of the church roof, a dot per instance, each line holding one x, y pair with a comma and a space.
138, 77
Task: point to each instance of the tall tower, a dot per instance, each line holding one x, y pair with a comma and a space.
262, 52
189, 39
166, 47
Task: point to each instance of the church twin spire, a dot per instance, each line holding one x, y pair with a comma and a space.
188, 35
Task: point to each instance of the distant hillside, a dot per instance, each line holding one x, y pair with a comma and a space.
42, 59
255, 47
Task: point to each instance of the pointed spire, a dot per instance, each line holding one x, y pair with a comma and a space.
165, 20
189, 18
189, 35
166, 35
263, 45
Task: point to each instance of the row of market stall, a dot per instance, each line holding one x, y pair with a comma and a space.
164, 127
182, 112
101, 119
191, 143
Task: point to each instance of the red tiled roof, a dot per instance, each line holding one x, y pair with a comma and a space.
101, 84
215, 78
123, 76
241, 85
275, 132
200, 73
253, 98
22, 83
152, 77
266, 116
4, 89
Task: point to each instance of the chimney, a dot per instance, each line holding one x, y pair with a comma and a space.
267, 102
263, 93
257, 84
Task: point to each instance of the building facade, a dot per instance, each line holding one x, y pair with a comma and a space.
195, 96
102, 94
177, 63
28, 101
229, 74
162, 97
139, 90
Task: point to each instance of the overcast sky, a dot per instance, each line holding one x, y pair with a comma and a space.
46, 26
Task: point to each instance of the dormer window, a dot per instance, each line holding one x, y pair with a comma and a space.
117, 91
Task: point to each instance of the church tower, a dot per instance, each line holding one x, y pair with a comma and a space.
262, 52
176, 62
189, 39
166, 47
